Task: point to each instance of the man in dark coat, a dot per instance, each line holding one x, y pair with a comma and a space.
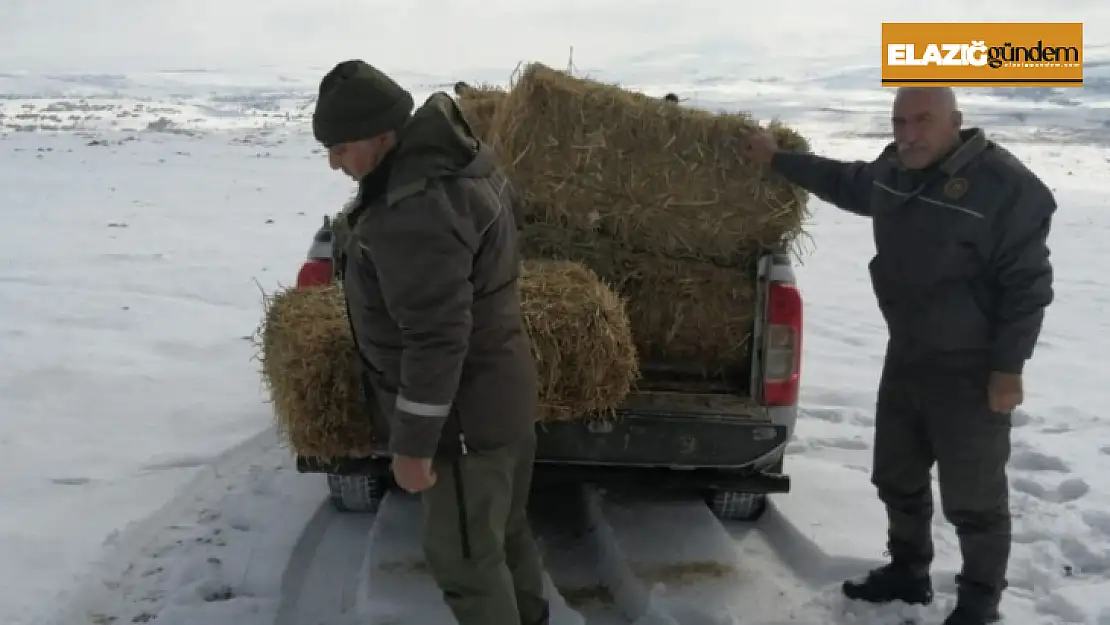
962, 277
430, 275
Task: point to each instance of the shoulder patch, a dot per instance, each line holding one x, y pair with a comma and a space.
955, 188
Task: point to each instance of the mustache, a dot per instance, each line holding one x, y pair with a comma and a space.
909, 146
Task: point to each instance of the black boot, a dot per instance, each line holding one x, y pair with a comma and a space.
975, 605
893, 582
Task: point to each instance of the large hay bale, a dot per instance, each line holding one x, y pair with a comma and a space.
479, 106
681, 310
657, 177
581, 341
308, 360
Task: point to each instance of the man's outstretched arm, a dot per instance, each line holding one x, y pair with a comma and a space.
847, 185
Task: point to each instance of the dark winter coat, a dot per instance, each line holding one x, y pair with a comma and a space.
962, 270
431, 282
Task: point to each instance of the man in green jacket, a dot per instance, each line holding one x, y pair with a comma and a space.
430, 275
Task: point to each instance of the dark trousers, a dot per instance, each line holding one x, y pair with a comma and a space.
930, 414
477, 539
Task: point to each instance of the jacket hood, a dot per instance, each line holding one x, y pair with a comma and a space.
436, 142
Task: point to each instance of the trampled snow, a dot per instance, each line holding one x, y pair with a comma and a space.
156, 174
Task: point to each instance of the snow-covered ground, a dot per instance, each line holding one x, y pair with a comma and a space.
156, 172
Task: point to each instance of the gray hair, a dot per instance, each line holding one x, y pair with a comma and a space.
946, 96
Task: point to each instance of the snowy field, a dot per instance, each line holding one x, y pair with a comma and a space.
156, 172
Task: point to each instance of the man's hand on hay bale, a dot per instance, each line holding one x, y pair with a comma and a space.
760, 147
415, 475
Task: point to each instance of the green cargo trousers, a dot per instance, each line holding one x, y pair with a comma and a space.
477, 540
941, 415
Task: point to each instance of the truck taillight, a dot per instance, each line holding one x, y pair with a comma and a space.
314, 272
782, 362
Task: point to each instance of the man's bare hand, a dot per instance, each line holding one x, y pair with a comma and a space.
415, 475
760, 146
1004, 391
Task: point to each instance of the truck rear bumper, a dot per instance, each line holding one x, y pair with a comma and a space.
656, 479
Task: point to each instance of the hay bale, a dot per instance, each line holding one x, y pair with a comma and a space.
657, 177
308, 366
680, 310
581, 341
479, 106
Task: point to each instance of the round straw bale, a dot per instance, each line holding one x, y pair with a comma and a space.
308, 365
581, 339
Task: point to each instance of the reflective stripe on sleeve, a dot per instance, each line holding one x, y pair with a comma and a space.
422, 410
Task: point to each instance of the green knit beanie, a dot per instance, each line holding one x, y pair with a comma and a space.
357, 102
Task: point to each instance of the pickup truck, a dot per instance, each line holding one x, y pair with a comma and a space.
721, 437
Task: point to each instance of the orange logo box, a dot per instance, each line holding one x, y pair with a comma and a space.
937, 54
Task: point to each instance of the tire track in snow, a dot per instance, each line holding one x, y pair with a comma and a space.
252, 542
672, 562
369, 569
608, 562
572, 556
322, 575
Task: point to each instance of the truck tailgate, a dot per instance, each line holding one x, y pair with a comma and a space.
672, 430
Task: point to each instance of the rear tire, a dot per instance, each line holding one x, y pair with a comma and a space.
731, 505
357, 493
